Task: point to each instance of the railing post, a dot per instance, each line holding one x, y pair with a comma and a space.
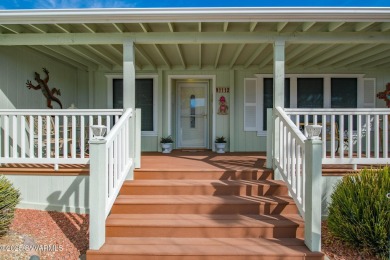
132, 145
270, 132
137, 138
276, 143
313, 173
97, 193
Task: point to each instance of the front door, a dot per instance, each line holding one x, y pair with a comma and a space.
192, 114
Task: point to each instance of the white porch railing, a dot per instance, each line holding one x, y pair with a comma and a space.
50, 136
297, 161
350, 136
112, 161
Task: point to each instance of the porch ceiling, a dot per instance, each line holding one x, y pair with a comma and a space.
238, 42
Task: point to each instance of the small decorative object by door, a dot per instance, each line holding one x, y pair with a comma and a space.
223, 107
166, 144
220, 144
47, 92
385, 95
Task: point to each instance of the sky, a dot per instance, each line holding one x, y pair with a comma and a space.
66, 4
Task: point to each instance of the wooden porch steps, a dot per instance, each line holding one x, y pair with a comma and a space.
204, 214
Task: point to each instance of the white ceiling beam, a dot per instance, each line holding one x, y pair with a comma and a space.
162, 55
64, 28
145, 56
266, 60
361, 26
296, 51
225, 26
105, 54
61, 57
171, 27
252, 26
385, 27
334, 25
254, 56
84, 52
369, 59
337, 50
119, 27
189, 38
218, 55
362, 56
70, 55
40, 28
236, 55
310, 54
355, 50
379, 63
307, 25
13, 28
89, 28
180, 52
281, 26
145, 28
199, 27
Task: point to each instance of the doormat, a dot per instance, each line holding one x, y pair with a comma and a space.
195, 150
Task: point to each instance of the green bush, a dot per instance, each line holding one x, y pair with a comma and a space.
359, 213
9, 198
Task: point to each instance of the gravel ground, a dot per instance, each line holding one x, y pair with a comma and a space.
65, 236
47, 234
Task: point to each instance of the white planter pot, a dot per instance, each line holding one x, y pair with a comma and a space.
220, 147
166, 147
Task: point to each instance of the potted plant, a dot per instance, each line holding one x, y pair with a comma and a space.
166, 144
220, 144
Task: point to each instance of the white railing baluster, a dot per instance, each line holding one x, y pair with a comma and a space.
74, 136
82, 136
350, 140
65, 136
385, 136
341, 137
22, 137
368, 139
40, 137
15, 136
376, 136
48, 136
364, 136
32, 136
56, 137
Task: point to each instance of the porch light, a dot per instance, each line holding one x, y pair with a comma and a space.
98, 131
313, 131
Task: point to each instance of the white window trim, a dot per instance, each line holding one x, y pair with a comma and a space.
111, 77
294, 88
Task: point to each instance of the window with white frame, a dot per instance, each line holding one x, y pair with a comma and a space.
145, 99
305, 91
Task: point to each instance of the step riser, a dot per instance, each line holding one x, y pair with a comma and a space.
207, 232
203, 175
204, 209
249, 190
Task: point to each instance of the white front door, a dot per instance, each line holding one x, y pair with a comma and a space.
192, 114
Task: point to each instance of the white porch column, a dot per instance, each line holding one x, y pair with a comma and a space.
279, 62
129, 96
128, 75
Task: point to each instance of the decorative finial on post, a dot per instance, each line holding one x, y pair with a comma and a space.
313, 131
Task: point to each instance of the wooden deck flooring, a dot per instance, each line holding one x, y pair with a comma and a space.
178, 160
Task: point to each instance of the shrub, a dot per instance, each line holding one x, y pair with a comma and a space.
359, 213
220, 140
166, 140
9, 198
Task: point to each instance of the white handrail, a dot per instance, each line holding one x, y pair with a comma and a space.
111, 163
297, 161
350, 136
50, 136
